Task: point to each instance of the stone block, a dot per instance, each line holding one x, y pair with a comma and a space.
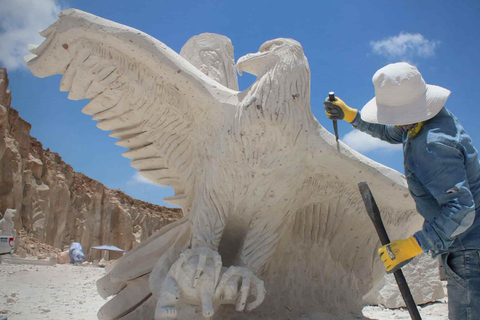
63, 258
423, 279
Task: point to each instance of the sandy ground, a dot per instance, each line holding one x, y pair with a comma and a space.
49, 292
69, 292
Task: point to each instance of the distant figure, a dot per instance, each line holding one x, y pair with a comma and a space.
75, 253
6, 224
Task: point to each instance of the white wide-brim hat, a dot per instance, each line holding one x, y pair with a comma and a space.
402, 97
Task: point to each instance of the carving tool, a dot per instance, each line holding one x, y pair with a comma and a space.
374, 214
331, 97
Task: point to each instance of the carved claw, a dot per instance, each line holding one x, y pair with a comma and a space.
165, 313
203, 254
218, 267
228, 288
166, 304
207, 304
193, 276
202, 260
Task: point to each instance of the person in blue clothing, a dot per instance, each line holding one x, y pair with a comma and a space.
443, 175
76, 253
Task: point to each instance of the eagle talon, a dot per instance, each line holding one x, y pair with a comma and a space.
250, 284
166, 313
168, 299
193, 276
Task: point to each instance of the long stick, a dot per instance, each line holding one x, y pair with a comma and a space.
374, 214
331, 97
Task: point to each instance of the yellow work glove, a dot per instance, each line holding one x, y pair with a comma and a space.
338, 110
398, 253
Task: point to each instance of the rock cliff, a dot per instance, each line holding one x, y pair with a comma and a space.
57, 205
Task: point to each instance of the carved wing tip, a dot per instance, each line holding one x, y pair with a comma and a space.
32, 48
176, 200
29, 57
70, 12
48, 30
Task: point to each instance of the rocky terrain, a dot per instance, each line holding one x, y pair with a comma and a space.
56, 205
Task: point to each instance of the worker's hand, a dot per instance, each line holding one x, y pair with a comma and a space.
338, 110
398, 253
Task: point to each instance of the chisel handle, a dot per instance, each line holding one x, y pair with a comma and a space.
331, 97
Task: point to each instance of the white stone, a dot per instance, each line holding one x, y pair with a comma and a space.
6, 223
262, 185
213, 55
423, 279
63, 258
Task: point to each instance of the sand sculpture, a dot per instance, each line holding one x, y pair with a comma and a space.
6, 223
274, 223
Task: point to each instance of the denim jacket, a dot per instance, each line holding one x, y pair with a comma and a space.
443, 176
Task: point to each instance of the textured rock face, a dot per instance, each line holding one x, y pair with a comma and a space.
57, 205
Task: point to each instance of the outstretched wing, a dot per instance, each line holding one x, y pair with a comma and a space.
151, 98
329, 247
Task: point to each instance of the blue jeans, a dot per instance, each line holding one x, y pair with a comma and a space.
463, 275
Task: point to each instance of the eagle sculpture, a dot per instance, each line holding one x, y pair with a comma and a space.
273, 220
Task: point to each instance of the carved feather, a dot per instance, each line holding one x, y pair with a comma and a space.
139, 88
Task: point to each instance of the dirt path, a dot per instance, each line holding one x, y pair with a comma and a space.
49, 292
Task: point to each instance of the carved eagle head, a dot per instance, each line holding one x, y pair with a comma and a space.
273, 53
281, 92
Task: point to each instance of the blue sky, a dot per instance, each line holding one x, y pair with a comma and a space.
344, 41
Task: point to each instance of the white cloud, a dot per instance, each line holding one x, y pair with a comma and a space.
20, 21
138, 178
363, 142
405, 46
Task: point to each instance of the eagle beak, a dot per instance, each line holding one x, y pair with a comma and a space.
239, 69
253, 63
